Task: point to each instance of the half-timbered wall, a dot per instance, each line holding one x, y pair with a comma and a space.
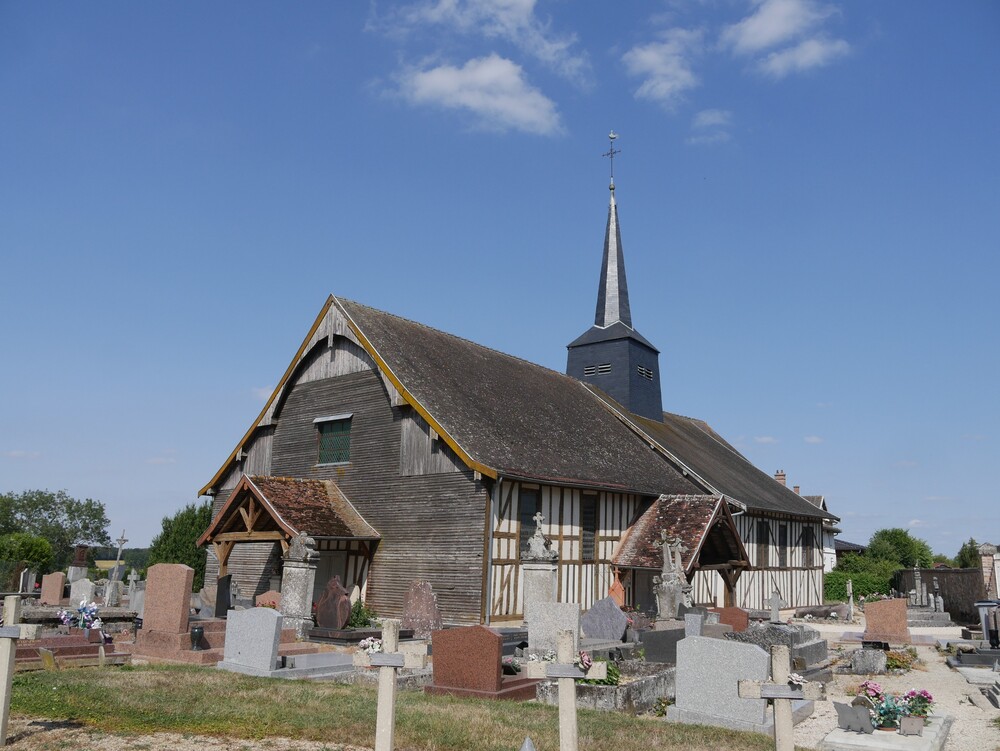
785, 555
582, 579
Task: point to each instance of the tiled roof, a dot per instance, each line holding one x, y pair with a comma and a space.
513, 416
689, 518
316, 507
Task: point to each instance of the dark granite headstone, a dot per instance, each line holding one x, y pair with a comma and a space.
605, 621
80, 555
224, 596
334, 607
420, 610
661, 646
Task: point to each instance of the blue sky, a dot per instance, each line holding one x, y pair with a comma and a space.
808, 194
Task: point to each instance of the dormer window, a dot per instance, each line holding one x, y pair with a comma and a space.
334, 438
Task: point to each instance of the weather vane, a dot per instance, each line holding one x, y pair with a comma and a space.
612, 137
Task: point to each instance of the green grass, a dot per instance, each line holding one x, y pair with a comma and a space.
179, 699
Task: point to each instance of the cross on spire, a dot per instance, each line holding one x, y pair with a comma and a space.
612, 136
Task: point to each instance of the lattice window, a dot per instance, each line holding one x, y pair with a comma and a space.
763, 544
588, 527
334, 438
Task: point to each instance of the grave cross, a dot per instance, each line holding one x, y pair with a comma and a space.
388, 661
776, 603
9, 635
121, 546
782, 693
567, 672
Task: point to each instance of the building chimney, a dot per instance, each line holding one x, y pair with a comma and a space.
780, 476
796, 489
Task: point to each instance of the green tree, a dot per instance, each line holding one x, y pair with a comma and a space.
898, 546
21, 547
58, 517
177, 538
968, 555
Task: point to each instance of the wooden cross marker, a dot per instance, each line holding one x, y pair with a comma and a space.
782, 693
568, 673
9, 635
388, 661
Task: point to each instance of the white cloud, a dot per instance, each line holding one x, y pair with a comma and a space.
813, 439
774, 22
764, 439
916, 523
712, 118
710, 127
810, 53
491, 88
22, 454
262, 393
513, 21
665, 65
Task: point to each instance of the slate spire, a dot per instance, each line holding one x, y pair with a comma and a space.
612, 294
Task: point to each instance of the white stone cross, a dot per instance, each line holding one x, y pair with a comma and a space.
388, 661
776, 603
9, 635
782, 693
567, 672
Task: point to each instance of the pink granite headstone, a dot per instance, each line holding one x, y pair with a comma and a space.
168, 598
885, 620
269, 598
334, 607
738, 618
52, 588
468, 658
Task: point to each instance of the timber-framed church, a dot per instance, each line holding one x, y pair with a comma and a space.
408, 453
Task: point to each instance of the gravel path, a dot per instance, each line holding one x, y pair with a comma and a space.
972, 730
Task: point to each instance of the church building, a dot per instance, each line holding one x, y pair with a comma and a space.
408, 454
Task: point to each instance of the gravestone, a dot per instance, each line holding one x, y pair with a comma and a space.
809, 652
117, 573
776, 603
782, 694
547, 622
355, 594
81, 589
708, 674
661, 646
269, 599
617, 590
138, 603
671, 587
693, 624
939, 604
852, 718
26, 583
868, 662
605, 621
298, 578
334, 607
738, 618
223, 595
420, 610
540, 587
467, 663
53, 586
168, 587
133, 582
885, 620
78, 568
113, 593
252, 638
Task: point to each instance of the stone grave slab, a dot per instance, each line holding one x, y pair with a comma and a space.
467, 663
252, 638
738, 618
81, 589
333, 610
661, 646
547, 622
168, 590
885, 620
707, 684
605, 621
933, 739
420, 610
53, 586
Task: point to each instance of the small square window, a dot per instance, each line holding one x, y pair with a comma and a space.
334, 440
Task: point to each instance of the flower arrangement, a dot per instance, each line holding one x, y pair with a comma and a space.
548, 656
583, 661
918, 703
794, 679
887, 710
511, 665
84, 616
268, 604
371, 645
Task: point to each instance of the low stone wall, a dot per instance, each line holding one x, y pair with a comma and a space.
646, 682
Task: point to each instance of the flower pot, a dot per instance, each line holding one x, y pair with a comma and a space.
887, 728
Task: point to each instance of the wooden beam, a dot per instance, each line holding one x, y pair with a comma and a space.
251, 536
